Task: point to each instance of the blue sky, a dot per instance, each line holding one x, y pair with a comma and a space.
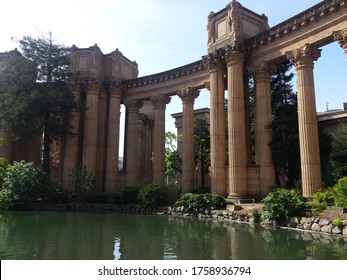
158, 34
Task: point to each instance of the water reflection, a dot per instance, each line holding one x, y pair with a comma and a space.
44, 235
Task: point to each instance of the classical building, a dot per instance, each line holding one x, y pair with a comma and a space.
240, 43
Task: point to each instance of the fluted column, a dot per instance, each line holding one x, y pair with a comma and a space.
217, 124
91, 126
159, 103
188, 96
341, 38
112, 151
132, 154
70, 159
236, 123
263, 133
303, 59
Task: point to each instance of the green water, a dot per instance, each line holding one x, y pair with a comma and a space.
103, 236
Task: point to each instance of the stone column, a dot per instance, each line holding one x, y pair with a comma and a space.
236, 123
132, 154
303, 59
91, 126
159, 103
263, 134
188, 96
341, 38
70, 155
112, 151
217, 124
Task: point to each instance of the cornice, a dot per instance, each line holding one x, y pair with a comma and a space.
304, 18
172, 74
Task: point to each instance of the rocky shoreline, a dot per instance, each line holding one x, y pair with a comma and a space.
314, 224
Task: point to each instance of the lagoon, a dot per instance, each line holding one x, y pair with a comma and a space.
33, 235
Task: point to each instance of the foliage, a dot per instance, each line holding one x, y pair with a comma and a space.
320, 200
24, 183
338, 159
94, 197
152, 195
338, 222
340, 193
200, 203
84, 180
57, 194
202, 189
202, 146
255, 214
125, 195
3, 163
48, 104
3, 205
173, 159
282, 204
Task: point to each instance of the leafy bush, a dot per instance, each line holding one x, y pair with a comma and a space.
255, 214
24, 183
320, 200
202, 189
152, 195
57, 194
340, 192
85, 181
282, 204
338, 222
200, 203
125, 195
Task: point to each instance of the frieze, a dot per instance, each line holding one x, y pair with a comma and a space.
167, 75
305, 18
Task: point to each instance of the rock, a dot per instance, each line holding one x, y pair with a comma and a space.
307, 226
326, 228
336, 230
294, 220
315, 227
324, 222
344, 231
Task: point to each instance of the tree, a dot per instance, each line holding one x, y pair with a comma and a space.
285, 131
36, 90
338, 158
202, 146
173, 159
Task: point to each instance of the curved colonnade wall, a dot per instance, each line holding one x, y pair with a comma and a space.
240, 43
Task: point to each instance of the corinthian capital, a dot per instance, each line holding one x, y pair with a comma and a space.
262, 71
341, 38
160, 101
188, 95
215, 59
304, 56
133, 105
234, 54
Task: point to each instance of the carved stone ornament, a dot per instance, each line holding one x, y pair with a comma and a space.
234, 54
304, 57
215, 59
188, 95
341, 38
262, 71
160, 101
133, 105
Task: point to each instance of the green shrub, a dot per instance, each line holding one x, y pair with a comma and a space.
152, 195
282, 204
340, 192
202, 189
84, 180
57, 194
255, 214
200, 203
338, 222
125, 195
94, 197
24, 183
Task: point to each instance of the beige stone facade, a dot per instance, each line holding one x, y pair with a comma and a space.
240, 43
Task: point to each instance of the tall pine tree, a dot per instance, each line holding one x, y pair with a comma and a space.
37, 99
